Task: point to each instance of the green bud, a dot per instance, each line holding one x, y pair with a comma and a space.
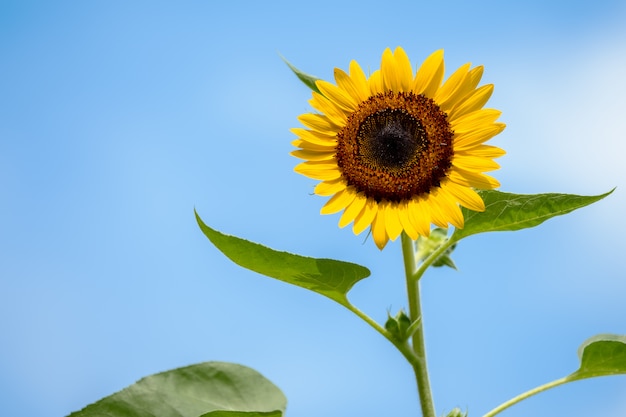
457, 413
398, 325
427, 245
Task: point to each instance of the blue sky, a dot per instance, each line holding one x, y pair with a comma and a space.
117, 119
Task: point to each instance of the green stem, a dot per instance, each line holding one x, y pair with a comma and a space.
415, 313
404, 348
527, 394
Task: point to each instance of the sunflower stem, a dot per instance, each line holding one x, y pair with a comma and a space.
526, 395
415, 314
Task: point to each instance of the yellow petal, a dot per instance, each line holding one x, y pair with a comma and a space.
472, 138
379, 232
449, 208
419, 215
338, 96
376, 83
365, 217
350, 86
313, 155
405, 219
429, 75
389, 75
453, 87
466, 196
437, 215
404, 70
318, 170
299, 143
327, 188
320, 123
360, 80
315, 137
352, 211
476, 74
392, 221
475, 120
338, 202
472, 102
474, 163
486, 151
328, 108
473, 179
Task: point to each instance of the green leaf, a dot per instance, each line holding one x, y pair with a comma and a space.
601, 355
509, 212
243, 414
324, 276
215, 389
307, 79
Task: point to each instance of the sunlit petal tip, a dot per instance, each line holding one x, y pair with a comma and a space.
379, 231
318, 171
473, 101
352, 211
338, 202
389, 72
476, 74
466, 196
340, 98
328, 188
429, 75
456, 86
365, 218
448, 210
404, 70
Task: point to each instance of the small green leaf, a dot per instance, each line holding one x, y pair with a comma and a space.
215, 389
307, 79
602, 355
324, 276
509, 212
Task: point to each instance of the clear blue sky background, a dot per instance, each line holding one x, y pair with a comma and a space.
118, 118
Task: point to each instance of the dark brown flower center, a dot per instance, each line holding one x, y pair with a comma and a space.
395, 146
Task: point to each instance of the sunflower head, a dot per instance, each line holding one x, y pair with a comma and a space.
398, 151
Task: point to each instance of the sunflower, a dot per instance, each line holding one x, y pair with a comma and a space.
397, 151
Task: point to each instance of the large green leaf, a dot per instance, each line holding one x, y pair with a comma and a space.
215, 389
508, 212
601, 355
307, 79
325, 276
243, 414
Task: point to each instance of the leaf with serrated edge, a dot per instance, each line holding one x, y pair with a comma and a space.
307, 79
192, 391
509, 212
324, 276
